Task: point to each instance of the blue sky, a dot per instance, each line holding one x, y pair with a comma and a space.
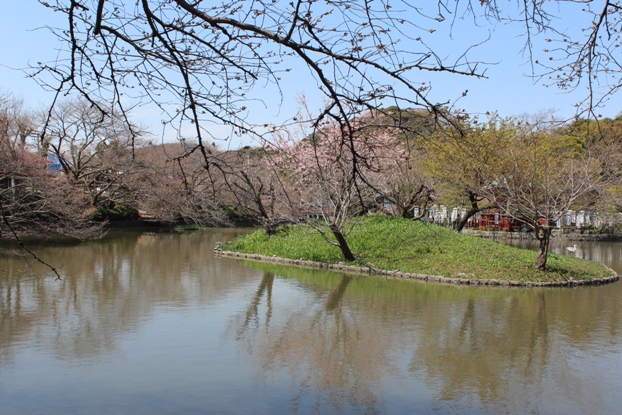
508, 89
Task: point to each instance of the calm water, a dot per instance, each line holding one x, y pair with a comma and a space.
154, 324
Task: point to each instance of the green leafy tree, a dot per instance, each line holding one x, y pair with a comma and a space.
531, 173
454, 153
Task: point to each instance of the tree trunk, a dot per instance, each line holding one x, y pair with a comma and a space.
343, 244
474, 209
407, 212
335, 297
270, 229
408, 209
543, 234
470, 213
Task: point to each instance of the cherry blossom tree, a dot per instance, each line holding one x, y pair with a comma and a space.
340, 173
325, 179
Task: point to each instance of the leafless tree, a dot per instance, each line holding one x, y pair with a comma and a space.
173, 185
206, 64
211, 59
586, 55
255, 187
17, 123
210, 64
95, 150
392, 169
32, 200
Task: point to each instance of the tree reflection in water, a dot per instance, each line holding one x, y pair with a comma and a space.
478, 350
316, 340
333, 360
109, 287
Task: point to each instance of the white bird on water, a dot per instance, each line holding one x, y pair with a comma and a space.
571, 248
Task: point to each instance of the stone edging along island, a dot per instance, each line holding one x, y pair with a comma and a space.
468, 279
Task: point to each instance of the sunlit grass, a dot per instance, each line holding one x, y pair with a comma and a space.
404, 245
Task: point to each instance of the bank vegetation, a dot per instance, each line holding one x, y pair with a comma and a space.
70, 170
396, 244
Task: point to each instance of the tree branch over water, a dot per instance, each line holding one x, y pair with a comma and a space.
7, 223
209, 65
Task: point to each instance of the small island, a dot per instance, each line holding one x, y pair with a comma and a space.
402, 248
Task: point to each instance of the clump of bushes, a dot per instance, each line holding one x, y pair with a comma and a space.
115, 213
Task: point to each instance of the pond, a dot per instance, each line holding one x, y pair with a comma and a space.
153, 323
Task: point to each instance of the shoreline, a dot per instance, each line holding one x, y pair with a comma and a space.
411, 276
572, 236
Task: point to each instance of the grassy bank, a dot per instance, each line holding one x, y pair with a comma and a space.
400, 244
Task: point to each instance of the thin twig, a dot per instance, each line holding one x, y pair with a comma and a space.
21, 244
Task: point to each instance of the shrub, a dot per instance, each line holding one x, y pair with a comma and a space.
116, 213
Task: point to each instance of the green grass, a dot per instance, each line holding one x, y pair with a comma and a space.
404, 245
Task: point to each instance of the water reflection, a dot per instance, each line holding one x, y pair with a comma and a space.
607, 252
336, 361
475, 349
153, 323
108, 287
